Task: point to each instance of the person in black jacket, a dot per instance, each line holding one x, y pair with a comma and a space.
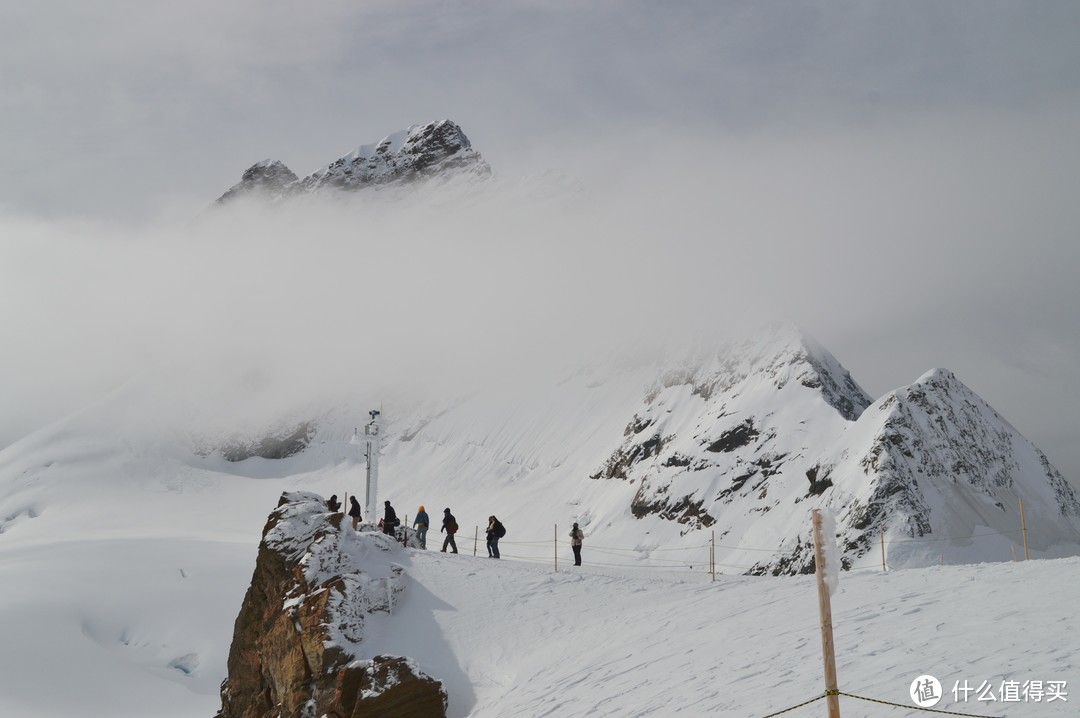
390, 519
333, 504
495, 531
354, 511
449, 525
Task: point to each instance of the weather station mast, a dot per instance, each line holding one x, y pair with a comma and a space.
370, 440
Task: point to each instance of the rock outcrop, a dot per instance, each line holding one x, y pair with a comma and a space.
296, 650
267, 179
435, 151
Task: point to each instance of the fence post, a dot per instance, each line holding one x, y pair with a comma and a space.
881, 531
405, 532
1023, 525
556, 548
475, 539
1013, 549
825, 606
712, 556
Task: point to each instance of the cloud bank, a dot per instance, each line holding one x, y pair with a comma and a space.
897, 179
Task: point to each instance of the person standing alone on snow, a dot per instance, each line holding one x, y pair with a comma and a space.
576, 536
390, 519
354, 511
449, 525
421, 526
495, 531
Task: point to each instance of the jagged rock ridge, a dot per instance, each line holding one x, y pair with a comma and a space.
298, 635
422, 152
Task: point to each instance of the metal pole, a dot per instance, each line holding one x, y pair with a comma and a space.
475, 538
712, 556
825, 606
556, 548
405, 532
372, 438
1023, 524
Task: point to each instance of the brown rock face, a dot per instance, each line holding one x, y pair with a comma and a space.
297, 636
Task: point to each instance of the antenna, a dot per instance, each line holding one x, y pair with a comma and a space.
371, 435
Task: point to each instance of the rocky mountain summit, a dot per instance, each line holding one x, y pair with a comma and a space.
435, 151
297, 646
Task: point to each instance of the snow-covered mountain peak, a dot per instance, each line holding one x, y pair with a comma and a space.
935, 460
778, 355
437, 150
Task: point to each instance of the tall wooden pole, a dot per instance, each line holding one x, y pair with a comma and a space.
556, 548
712, 556
1023, 525
824, 603
881, 531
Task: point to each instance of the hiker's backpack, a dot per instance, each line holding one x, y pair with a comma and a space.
500, 530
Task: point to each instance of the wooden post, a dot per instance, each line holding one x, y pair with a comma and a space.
475, 539
1013, 549
405, 532
712, 556
825, 605
881, 530
556, 548
1023, 525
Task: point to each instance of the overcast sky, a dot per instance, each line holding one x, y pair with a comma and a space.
899, 178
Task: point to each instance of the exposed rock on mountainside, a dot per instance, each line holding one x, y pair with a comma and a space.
276, 445
437, 150
296, 640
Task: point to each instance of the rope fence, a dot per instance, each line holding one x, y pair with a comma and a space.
694, 559
826, 694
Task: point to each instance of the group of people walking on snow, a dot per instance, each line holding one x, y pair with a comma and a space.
495, 528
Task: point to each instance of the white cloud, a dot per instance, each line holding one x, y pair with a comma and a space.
897, 178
